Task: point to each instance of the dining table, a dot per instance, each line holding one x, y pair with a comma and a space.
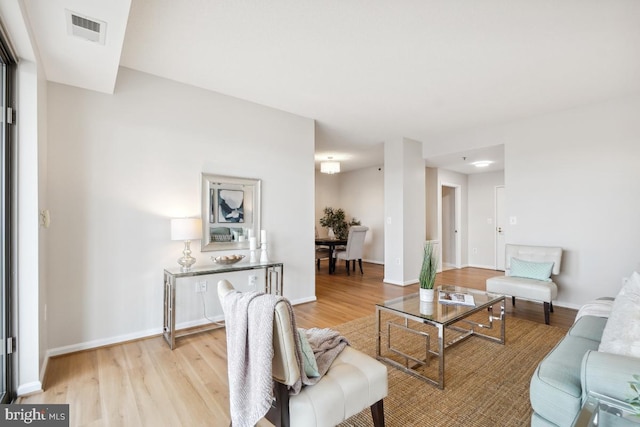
331, 243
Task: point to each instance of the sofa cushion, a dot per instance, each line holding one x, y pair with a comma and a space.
622, 333
589, 327
531, 269
555, 390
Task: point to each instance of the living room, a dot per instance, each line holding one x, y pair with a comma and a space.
113, 168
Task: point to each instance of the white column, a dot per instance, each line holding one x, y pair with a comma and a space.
404, 210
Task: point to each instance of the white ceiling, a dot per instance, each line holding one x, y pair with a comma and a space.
366, 71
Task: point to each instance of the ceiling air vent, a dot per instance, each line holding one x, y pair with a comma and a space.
85, 27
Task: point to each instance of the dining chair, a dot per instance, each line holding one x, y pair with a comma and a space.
354, 249
353, 382
322, 252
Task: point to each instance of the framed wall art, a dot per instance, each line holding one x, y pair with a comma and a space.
231, 206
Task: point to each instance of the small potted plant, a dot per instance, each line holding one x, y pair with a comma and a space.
428, 271
335, 221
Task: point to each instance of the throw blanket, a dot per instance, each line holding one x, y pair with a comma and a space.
327, 345
249, 354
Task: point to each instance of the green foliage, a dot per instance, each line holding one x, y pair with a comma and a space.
336, 220
429, 266
635, 401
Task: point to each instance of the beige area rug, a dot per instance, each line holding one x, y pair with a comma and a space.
486, 383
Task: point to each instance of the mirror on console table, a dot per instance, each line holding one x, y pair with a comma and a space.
230, 212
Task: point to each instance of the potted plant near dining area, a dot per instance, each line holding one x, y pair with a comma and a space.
428, 272
335, 220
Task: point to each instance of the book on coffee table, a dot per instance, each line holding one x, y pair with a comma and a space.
459, 298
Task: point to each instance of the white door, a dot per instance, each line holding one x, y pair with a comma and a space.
500, 223
451, 249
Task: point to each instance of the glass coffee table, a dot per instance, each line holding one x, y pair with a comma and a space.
405, 327
604, 411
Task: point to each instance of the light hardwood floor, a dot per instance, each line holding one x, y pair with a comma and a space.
143, 382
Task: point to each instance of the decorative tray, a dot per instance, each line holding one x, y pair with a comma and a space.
227, 259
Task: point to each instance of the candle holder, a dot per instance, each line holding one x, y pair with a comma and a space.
263, 255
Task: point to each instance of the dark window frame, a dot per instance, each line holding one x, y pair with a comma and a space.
8, 60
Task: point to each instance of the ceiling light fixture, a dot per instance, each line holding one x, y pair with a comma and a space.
482, 163
330, 166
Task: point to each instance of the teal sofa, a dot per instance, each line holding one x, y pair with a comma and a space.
574, 367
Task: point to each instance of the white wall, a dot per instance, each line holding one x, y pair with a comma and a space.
572, 179
432, 206
360, 193
120, 166
327, 194
362, 196
481, 225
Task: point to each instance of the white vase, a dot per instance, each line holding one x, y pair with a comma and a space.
426, 308
426, 295
331, 234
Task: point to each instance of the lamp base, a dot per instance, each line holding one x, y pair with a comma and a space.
187, 260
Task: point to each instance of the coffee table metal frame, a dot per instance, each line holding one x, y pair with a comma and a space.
398, 306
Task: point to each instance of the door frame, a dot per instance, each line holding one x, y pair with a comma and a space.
457, 188
496, 221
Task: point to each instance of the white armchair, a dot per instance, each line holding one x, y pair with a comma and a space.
353, 382
522, 286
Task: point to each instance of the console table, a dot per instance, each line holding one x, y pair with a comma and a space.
273, 274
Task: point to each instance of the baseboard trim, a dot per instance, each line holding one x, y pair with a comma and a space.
303, 300
103, 342
29, 388
485, 267
88, 345
394, 282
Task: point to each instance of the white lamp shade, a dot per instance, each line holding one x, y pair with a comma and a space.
186, 229
330, 167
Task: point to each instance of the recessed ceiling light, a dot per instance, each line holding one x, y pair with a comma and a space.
482, 163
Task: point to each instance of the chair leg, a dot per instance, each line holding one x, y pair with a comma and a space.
377, 413
513, 301
360, 263
348, 269
546, 313
278, 414
551, 306
318, 262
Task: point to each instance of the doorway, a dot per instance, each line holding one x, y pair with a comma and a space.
500, 224
450, 226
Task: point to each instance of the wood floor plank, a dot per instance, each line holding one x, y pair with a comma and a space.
145, 383
84, 394
153, 402
117, 397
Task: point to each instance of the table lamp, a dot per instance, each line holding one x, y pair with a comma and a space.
186, 229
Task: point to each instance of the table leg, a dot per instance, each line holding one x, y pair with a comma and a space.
332, 265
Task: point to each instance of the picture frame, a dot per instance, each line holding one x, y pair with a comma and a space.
231, 211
